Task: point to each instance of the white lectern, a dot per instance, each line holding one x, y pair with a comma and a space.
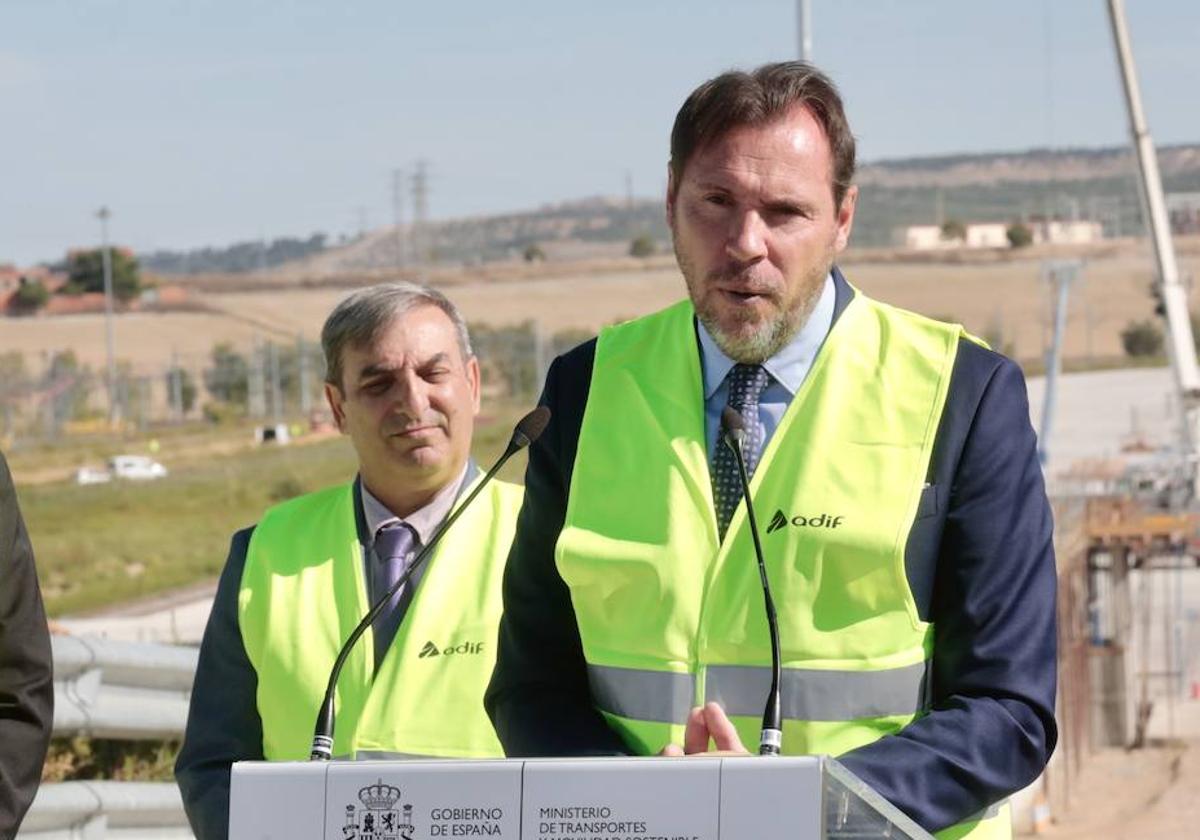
751, 798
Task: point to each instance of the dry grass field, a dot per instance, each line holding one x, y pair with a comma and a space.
146, 340
990, 296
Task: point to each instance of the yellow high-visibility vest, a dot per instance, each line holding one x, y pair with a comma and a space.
670, 617
302, 593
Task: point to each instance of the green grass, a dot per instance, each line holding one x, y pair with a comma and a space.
104, 544
74, 450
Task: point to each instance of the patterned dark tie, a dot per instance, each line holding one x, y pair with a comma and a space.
393, 552
746, 384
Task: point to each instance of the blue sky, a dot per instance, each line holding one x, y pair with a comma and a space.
204, 123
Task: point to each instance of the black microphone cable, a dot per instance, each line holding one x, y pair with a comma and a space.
526, 432
733, 429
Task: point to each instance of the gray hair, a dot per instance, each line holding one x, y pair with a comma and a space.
360, 318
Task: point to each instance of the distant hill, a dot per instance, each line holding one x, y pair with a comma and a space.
1097, 184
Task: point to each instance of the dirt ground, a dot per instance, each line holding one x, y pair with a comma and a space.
1149, 794
1146, 794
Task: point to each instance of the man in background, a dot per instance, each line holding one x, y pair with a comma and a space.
403, 384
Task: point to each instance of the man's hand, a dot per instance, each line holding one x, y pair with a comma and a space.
705, 723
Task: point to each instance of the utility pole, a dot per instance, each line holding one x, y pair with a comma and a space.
1061, 274
276, 388
257, 396
106, 255
398, 214
1180, 348
420, 196
804, 19
302, 361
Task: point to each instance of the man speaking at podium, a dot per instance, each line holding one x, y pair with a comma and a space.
403, 384
906, 531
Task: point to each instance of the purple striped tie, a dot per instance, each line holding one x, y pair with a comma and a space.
393, 552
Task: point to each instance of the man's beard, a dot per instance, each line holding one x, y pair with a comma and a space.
772, 334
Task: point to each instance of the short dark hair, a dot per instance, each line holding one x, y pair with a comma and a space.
360, 319
737, 98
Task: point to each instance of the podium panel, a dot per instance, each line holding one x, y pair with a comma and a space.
380, 800
277, 799
621, 798
796, 798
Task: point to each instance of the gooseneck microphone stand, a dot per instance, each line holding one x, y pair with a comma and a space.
733, 434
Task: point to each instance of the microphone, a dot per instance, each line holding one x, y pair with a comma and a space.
733, 434
526, 432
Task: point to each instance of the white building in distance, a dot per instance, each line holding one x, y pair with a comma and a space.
995, 235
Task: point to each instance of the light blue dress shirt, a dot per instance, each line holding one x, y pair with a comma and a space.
787, 368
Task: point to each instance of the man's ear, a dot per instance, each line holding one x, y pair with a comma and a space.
333, 396
845, 218
475, 379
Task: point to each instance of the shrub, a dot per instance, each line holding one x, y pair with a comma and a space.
1019, 235
642, 246
954, 230
1142, 338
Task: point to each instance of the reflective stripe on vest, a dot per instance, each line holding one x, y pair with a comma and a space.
808, 694
670, 617
303, 591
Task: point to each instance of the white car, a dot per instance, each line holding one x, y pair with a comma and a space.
135, 467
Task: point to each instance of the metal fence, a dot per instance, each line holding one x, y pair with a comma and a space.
106, 689
46, 397
106, 811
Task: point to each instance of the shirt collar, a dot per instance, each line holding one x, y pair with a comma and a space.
790, 364
423, 520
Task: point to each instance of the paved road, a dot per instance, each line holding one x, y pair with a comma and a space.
1099, 412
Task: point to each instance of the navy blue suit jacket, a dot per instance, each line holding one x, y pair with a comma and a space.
979, 560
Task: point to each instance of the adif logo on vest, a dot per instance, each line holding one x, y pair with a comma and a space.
430, 650
824, 520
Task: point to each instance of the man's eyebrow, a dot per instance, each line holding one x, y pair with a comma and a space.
376, 369
436, 359
788, 204
383, 368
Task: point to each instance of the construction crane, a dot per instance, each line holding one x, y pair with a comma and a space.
1180, 347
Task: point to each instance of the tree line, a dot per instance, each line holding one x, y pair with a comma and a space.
237, 258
